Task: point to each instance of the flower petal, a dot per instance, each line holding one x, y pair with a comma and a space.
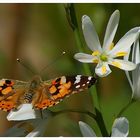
90, 34
120, 127
135, 75
86, 130
129, 80
16, 131
102, 69
25, 112
111, 30
40, 129
85, 58
136, 82
125, 42
126, 58
123, 64
136, 51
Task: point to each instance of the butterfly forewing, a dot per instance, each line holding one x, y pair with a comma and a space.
56, 90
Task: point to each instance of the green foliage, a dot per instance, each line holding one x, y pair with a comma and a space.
44, 34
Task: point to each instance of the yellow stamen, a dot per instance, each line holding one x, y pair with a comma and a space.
121, 54
103, 57
116, 64
95, 61
95, 53
111, 46
104, 69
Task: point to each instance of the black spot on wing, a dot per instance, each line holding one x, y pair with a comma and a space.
58, 80
92, 82
57, 85
72, 79
8, 82
4, 86
57, 91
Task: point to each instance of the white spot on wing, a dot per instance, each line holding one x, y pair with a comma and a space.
74, 92
89, 78
80, 90
77, 86
83, 85
78, 78
63, 80
61, 100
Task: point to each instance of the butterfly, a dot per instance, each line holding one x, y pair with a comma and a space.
41, 94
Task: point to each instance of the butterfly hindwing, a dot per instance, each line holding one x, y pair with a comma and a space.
56, 90
10, 92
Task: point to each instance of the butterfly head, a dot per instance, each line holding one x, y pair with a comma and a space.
35, 82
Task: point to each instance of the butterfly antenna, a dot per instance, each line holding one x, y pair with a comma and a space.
25, 66
57, 58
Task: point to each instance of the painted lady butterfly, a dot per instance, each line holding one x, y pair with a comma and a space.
42, 94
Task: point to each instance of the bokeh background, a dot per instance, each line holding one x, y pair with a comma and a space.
39, 33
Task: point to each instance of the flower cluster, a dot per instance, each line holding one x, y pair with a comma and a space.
107, 54
124, 55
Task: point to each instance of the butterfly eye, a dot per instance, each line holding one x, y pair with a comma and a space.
34, 84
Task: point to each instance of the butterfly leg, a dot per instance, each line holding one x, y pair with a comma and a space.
48, 95
36, 98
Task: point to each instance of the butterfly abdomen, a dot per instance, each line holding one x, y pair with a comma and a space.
28, 97
34, 85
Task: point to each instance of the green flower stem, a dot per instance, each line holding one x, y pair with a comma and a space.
86, 68
101, 124
125, 107
76, 111
71, 16
98, 118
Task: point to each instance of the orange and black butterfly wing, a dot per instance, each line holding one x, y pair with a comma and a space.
11, 92
56, 90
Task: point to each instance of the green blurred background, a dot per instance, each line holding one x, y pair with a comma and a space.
39, 33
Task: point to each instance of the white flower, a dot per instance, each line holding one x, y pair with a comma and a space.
86, 130
25, 112
39, 129
134, 77
120, 128
107, 55
30, 128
